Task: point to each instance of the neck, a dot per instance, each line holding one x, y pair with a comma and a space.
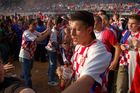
88, 41
32, 30
98, 29
133, 32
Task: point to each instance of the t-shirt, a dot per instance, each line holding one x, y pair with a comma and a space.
53, 43
108, 38
91, 60
28, 44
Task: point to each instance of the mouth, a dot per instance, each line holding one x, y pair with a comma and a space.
74, 39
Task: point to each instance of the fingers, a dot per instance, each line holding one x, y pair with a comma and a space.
9, 67
112, 66
123, 47
59, 72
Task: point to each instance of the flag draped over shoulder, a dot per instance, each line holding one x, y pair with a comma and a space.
135, 85
134, 68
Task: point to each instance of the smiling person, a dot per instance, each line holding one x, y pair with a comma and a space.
90, 59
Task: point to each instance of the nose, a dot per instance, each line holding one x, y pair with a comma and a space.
130, 25
73, 32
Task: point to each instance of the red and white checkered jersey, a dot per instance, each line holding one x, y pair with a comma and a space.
126, 55
91, 60
28, 45
131, 58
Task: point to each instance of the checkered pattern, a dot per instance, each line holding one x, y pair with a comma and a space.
80, 60
29, 46
125, 56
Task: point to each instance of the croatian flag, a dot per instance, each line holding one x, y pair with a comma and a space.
134, 68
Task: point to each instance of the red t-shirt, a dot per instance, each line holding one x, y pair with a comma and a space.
109, 39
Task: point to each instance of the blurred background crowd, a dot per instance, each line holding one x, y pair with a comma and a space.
24, 6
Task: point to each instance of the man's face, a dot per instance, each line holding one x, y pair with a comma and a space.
100, 13
97, 24
115, 17
80, 32
133, 25
33, 26
1, 72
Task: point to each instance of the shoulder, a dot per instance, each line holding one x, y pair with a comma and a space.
26, 32
108, 31
96, 47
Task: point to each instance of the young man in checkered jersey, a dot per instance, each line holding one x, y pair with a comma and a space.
90, 59
30, 37
129, 70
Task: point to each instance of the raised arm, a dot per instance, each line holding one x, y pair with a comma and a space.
43, 35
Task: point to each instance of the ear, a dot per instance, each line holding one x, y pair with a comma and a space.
90, 29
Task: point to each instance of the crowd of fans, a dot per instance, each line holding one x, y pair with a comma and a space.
64, 6
112, 39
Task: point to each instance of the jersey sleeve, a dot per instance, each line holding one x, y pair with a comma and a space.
110, 37
30, 36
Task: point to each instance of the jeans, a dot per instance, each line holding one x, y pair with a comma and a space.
52, 66
26, 66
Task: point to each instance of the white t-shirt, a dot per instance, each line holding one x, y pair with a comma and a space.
92, 60
98, 34
29, 37
53, 38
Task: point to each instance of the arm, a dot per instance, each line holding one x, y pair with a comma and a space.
27, 90
97, 62
82, 85
43, 35
116, 57
64, 57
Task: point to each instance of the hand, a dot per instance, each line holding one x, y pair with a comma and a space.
8, 68
136, 43
123, 47
59, 72
113, 66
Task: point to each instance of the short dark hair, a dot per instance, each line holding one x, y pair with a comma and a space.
86, 17
39, 22
58, 20
31, 21
83, 16
103, 12
135, 16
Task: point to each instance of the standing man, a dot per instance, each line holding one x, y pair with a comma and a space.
90, 59
30, 38
129, 70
